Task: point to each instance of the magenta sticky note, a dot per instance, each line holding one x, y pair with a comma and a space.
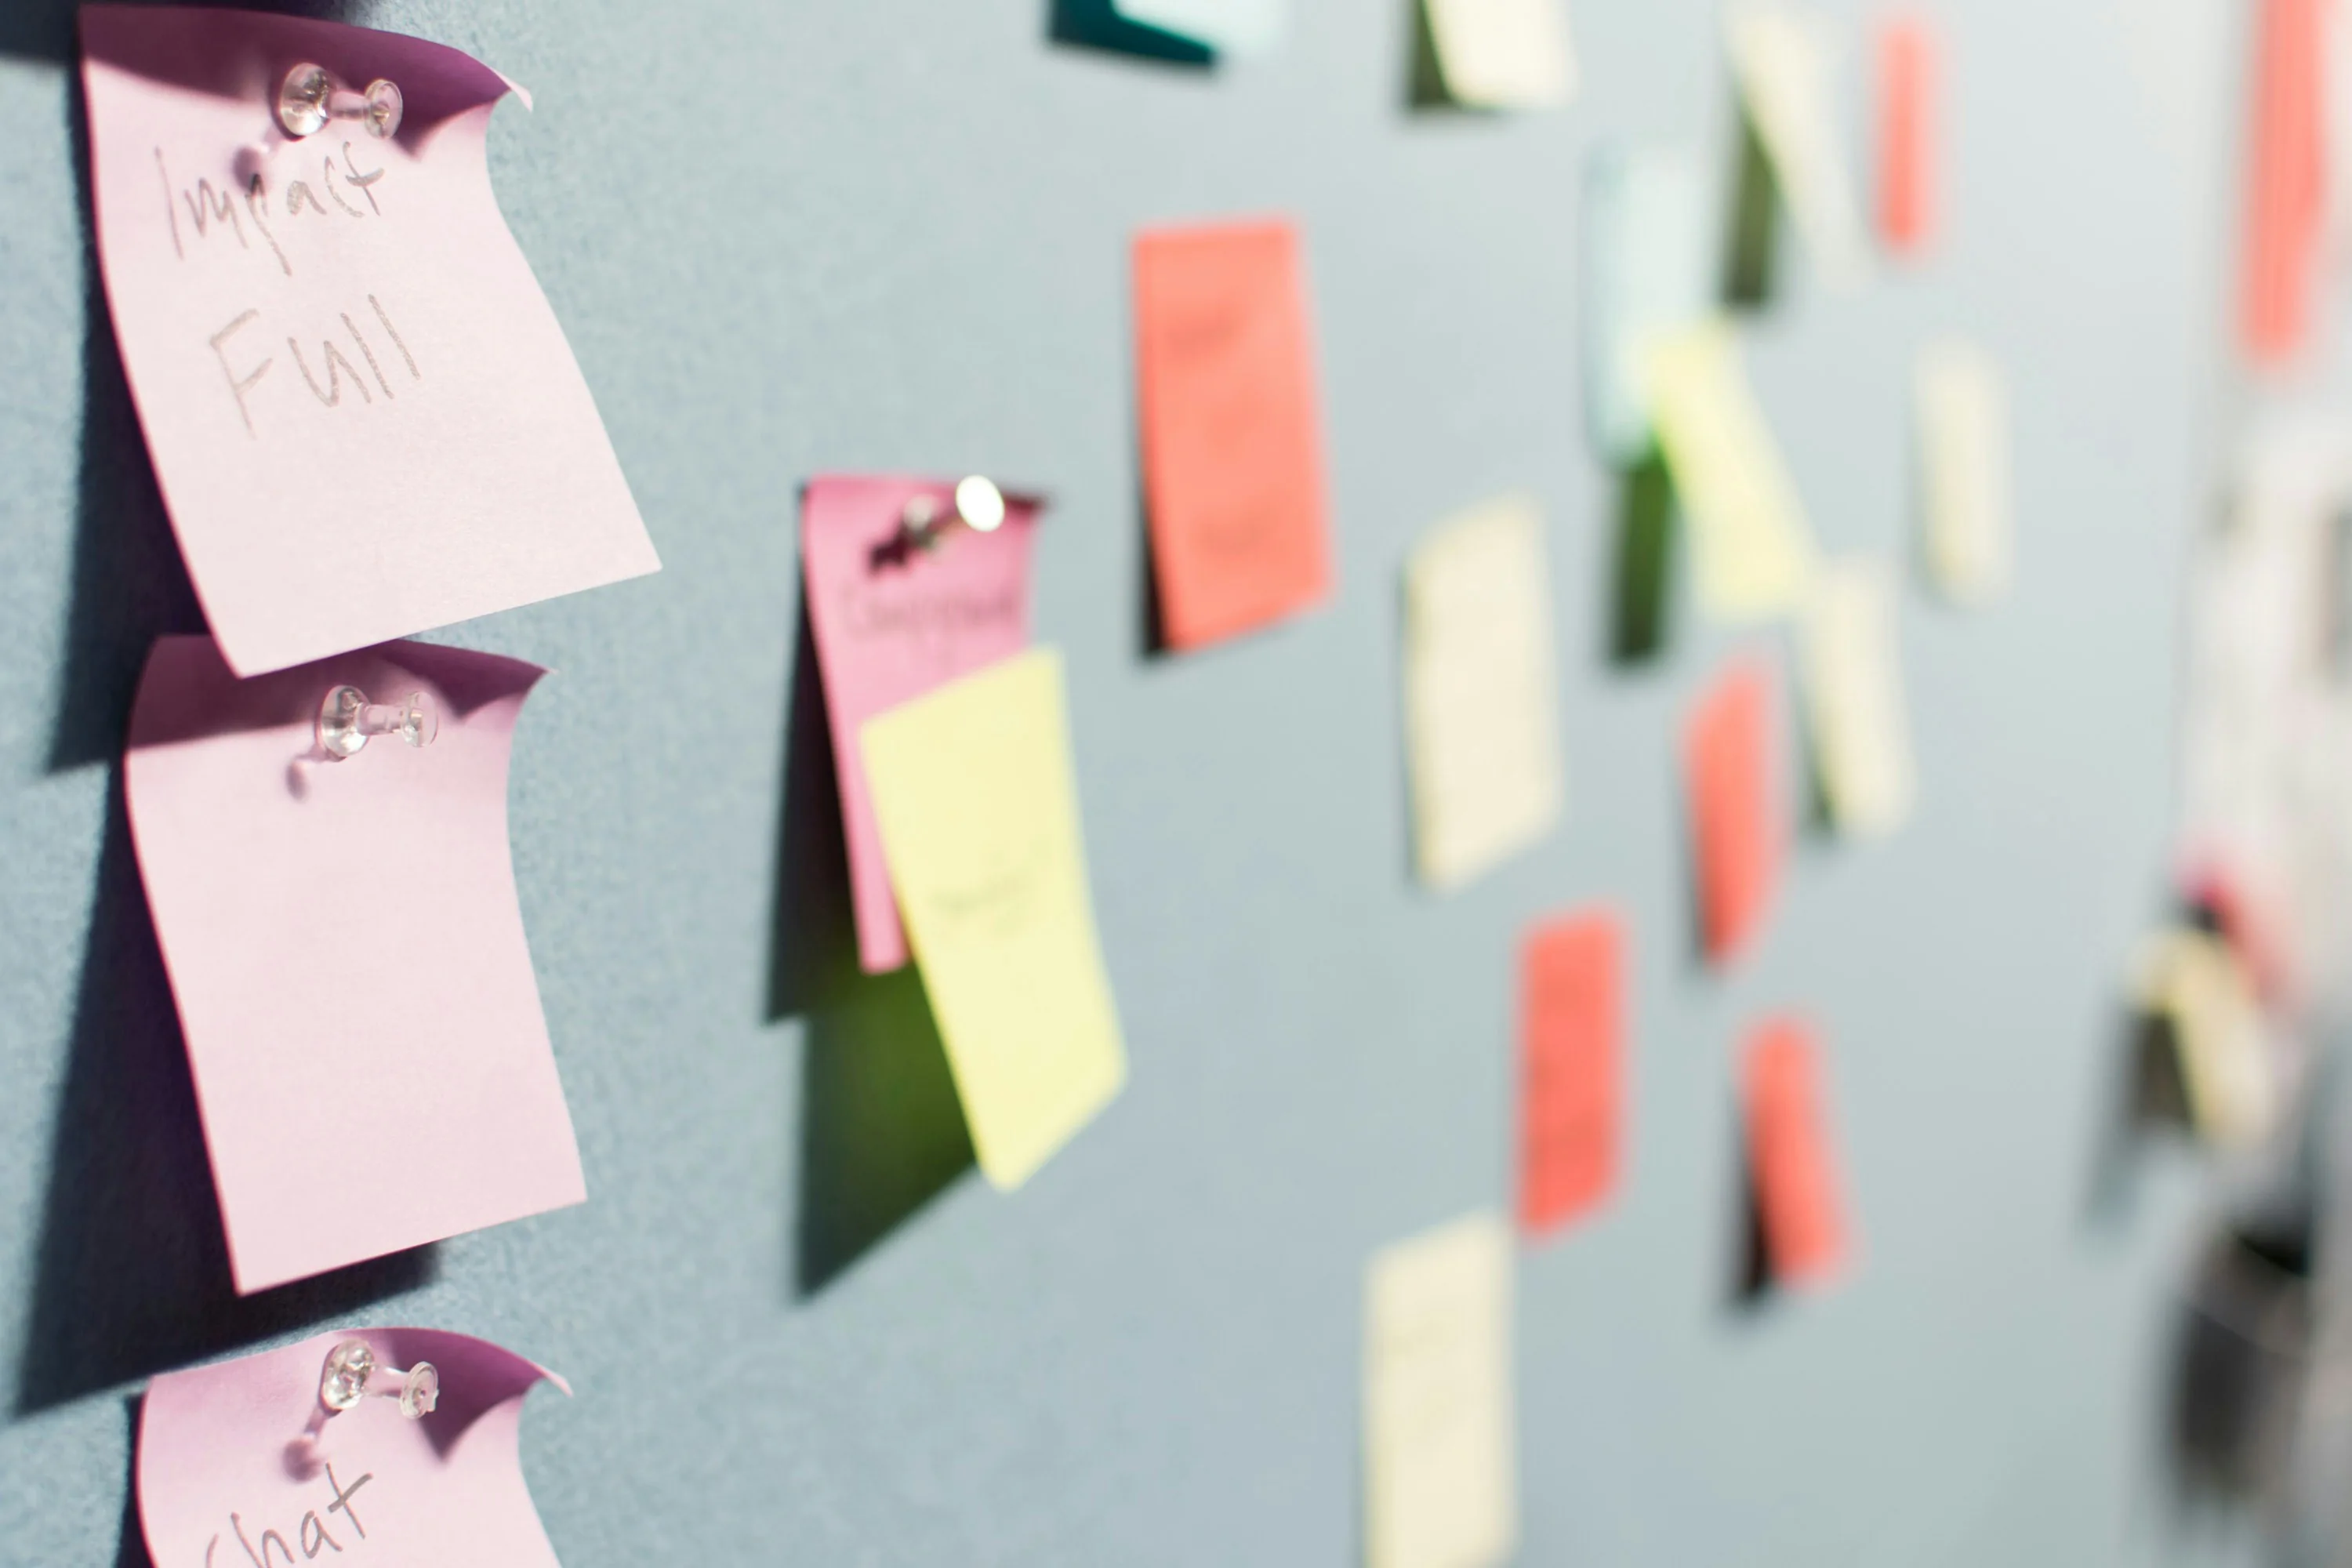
892, 620
239, 1465
364, 417
347, 954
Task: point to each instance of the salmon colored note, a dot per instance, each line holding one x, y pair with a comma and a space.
1798, 1190
1906, 133
1738, 828
1572, 1052
2286, 183
892, 620
1232, 466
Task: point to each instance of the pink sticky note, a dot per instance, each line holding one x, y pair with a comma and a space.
235, 1467
347, 954
892, 622
363, 415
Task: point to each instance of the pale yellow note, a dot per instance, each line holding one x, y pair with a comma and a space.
1481, 702
1753, 548
1963, 412
2194, 982
1503, 54
1785, 63
978, 806
1853, 697
1441, 1483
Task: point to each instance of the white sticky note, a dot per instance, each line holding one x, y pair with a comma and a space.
1440, 1485
1786, 63
1963, 414
1229, 26
2194, 982
1482, 706
1646, 262
1853, 698
1503, 54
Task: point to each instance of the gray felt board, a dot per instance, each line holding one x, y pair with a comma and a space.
787, 237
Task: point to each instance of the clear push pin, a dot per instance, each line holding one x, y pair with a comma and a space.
351, 1366
348, 722
309, 101
976, 504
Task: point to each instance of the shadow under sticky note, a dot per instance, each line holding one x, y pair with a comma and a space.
1641, 596
1098, 25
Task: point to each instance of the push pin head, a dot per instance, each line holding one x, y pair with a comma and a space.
308, 99
976, 504
348, 721
351, 1366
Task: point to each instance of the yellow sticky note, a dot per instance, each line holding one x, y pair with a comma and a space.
1963, 412
1785, 62
1503, 54
1754, 549
978, 806
1441, 1483
1481, 709
2195, 983
1853, 697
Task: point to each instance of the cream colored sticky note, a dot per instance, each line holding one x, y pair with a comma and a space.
1963, 422
1785, 62
1481, 702
2196, 983
978, 806
1441, 1483
1503, 54
1853, 698
1754, 549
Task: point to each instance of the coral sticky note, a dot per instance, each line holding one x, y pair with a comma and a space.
891, 620
1963, 424
978, 806
1784, 59
1646, 274
1242, 28
1853, 698
239, 1465
2286, 181
1441, 1473
347, 954
1232, 466
1571, 1066
1906, 133
1502, 54
1754, 549
1792, 1166
1482, 703
1731, 754
365, 419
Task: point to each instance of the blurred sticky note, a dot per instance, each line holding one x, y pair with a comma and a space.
1503, 54
1784, 61
364, 417
1739, 825
1963, 422
1229, 26
1853, 698
1906, 132
1571, 1071
2197, 986
230, 1473
1645, 267
978, 806
1440, 1485
2286, 182
1482, 707
1232, 466
1800, 1196
891, 620
1754, 549
347, 954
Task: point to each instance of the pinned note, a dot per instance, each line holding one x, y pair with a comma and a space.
2286, 183
239, 1464
1571, 1067
1853, 698
1906, 132
365, 419
1502, 54
1739, 824
978, 806
1232, 466
1784, 61
347, 954
1242, 28
1754, 549
2193, 982
893, 619
1646, 268
1963, 412
1481, 709
1799, 1198
1441, 1483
